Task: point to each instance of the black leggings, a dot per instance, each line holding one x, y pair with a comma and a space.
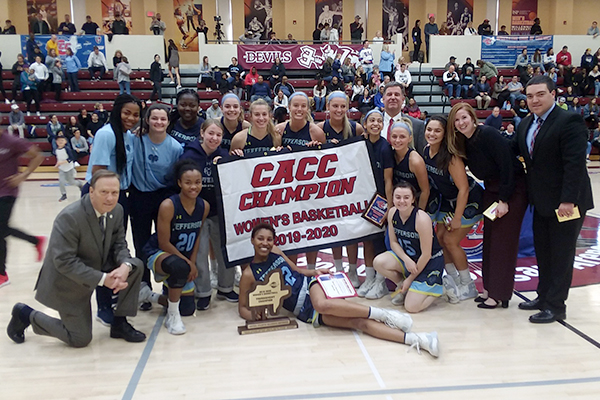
32, 95
6, 206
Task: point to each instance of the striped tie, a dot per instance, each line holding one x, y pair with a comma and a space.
535, 133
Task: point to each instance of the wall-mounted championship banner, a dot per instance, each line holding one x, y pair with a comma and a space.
313, 198
460, 12
523, 14
294, 56
502, 51
395, 20
46, 9
82, 45
258, 17
187, 18
112, 7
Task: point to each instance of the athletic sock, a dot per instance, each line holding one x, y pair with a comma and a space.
379, 279
310, 266
352, 267
25, 314
173, 307
451, 269
465, 276
370, 272
338, 265
376, 313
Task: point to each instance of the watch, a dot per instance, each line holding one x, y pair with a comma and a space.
129, 265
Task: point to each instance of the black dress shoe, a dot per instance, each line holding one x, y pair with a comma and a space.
16, 327
503, 303
530, 305
546, 316
480, 299
127, 332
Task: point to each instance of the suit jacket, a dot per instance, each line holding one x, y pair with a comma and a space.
556, 172
76, 256
418, 134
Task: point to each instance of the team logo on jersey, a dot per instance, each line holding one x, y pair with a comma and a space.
153, 158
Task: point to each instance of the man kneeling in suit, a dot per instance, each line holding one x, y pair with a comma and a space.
87, 248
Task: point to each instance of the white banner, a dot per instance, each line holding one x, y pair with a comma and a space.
313, 198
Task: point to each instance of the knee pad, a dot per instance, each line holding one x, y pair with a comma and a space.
187, 306
178, 271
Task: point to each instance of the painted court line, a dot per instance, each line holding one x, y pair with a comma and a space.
370, 362
457, 388
139, 369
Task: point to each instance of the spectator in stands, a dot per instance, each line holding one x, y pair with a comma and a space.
58, 76
83, 117
596, 60
360, 73
587, 60
173, 62
236, 85
72, 65
378, 38
316, 35
527, 75
93, 126
549, 59
485, 29
277, 71
502, 31
41, 73
261, 90
102, 113
156, 78
576, 107
250, 79
273, 38
365, 101
348, 71
97, 63
451, 62
412, 108
593, 30
54, 129
501, 93
551, 73
516, 91
469, 30
467, 84
9, 28
569, 96
509, 131
66, 27
280, 106
564, 60
117, 58
51, 59
375, 77
16, 121
335, 85
16, 70
327, 69
249, 37
52, 44
119, 25
522, 61
2, 85
403, 77
488, 69
378, 99
417, 41
537, 60
356, 30
334, 35
71, 126
519, 112
357, 88
123, 71
466, 65
206, 74
325, 33
386, 61
214, 111
494, 119
578, 80
157, 26
32, 48
320, 95
39, 26
336, 67
65, 163
451, 82
591, 111
594, 80
365, 56
284, 86
235, 68
536, 29
562, 103
290, 39
79, 145
89, 27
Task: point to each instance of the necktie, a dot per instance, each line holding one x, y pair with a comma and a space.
102, 222
389, 130
535, 133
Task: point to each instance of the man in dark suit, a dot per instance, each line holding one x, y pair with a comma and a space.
87, 248
393, 101
553, 143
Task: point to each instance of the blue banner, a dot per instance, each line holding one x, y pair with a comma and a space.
82, 46
502, 51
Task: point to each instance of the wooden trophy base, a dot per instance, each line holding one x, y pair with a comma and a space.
267, 325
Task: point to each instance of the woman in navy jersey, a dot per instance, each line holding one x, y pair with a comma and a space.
232, 119
185, 122
260, 136
171, 251
206, 154
309, 303
459, 197
374, 285
415, 262
409, 165
337, 129
300, 131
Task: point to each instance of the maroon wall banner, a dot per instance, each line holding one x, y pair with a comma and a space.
330, 12
258, 17
523, 14
460, 12
293, 56
395, 20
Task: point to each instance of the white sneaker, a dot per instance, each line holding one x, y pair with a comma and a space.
397, 320
398, 297
365, 287
425, 341
377, 291
38, 113
6, 101
76, 164
172, 83
174, 324
353, 276
145, 293
450, 289
468, 291
28, 114
13, 101
178, 87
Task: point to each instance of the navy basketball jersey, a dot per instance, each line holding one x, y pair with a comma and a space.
402, 172
297, 139
331, 133
297, 281
228, 136
439, 179
408, 237
255, 145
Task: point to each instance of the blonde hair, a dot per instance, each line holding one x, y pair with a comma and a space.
240, 117
270, 126
408, 123
347, 132
308, 116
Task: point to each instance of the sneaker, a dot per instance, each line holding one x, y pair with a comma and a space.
231, 297
146, 306
4, 280
398, 297
105, 316
174, 324
468, 291
203, 303
425, 341
353, 276
365, 287
13, 101
145, 293
28, 114
40, 246
397, 320
6, 101
62, 198
38, 114
76, 164
172, 83
178, 87
450, 289
377, 291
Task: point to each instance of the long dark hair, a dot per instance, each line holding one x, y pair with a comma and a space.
174, 116
444, 156
117, 126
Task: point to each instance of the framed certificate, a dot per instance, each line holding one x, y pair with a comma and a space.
336, 286
375, 212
